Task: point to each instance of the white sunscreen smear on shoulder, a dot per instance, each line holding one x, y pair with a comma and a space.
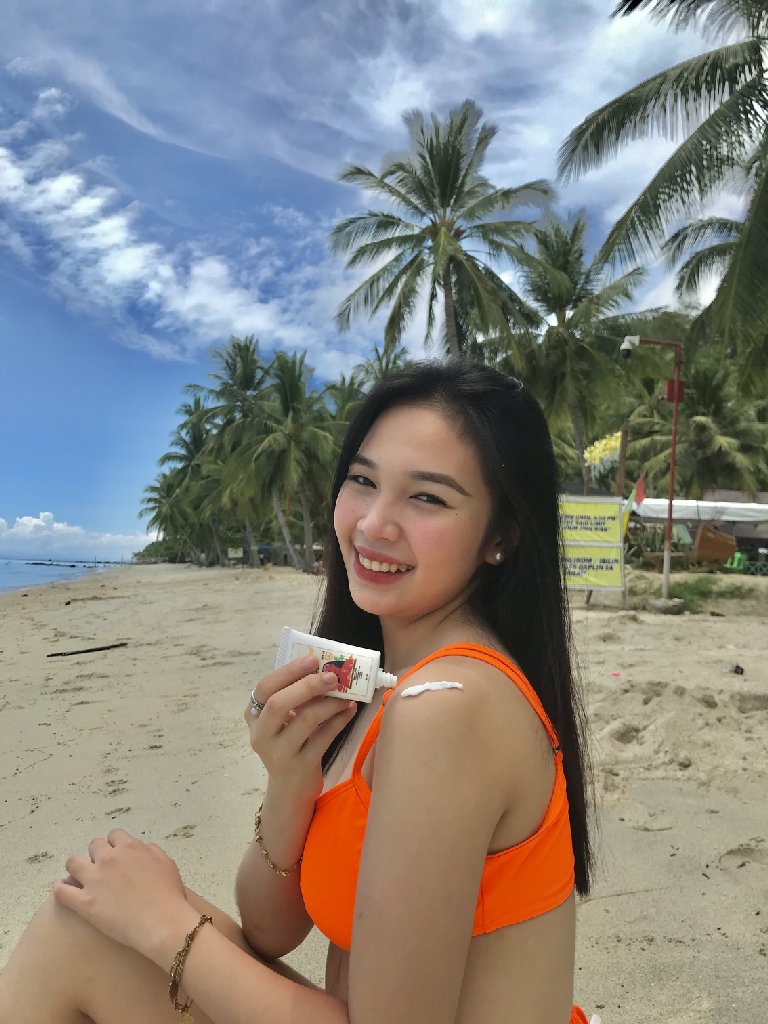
413, 691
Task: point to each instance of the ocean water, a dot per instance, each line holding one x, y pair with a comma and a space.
16, 574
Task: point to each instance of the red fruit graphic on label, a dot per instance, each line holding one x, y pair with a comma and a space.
342, 670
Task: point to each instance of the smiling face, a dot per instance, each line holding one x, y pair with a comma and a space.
412, 517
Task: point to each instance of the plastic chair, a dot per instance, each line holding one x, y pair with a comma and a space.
737, 562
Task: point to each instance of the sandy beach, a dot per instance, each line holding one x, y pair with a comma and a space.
149, 736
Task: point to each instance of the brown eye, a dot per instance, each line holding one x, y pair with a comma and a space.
430, 499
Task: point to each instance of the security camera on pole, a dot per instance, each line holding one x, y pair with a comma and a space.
674, 392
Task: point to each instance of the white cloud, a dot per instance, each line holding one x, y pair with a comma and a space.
51, 103
17, 245
191, 297
44, 536
82, 72
537, 67
470, 19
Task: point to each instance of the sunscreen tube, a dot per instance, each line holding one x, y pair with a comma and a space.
356, 668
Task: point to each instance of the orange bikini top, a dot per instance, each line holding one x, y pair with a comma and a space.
517, 884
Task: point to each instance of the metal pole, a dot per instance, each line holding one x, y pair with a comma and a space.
672, 463
619, 486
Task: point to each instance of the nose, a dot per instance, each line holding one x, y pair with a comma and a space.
378, 522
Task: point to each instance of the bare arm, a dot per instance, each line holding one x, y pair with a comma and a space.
271, 907
233, 988
295, 727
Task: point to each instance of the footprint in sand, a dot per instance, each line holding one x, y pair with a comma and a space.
748, 702
652, 689
608, 636
182, 832
623, 732
754, 851
116, 811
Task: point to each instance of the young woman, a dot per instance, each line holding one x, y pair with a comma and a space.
437, 835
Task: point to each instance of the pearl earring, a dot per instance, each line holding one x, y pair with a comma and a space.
498, 556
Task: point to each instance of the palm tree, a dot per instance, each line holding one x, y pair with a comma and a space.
722, 440
346, 395
190, 446
718, 103
441, 205
240, 377
169, 513
571, 364
234, 411
384, 361
289, 447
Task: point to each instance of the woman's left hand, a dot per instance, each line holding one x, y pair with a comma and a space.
126, 888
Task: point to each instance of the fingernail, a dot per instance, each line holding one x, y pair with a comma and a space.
329, 678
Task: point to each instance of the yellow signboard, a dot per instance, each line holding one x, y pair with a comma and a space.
592, 538
590, 521
592, 567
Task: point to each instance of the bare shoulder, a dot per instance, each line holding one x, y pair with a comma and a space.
477, 707
489, 689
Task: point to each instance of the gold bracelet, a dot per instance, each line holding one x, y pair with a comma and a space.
265, 855
177, 969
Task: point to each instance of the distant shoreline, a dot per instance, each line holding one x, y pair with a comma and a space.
69, 562
22, 573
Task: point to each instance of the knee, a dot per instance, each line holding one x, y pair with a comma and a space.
55, 926
49, 949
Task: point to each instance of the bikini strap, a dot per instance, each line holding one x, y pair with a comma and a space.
479, 653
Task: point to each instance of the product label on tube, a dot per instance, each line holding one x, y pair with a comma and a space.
354, 671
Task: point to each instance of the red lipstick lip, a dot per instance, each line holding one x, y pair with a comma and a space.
376, 556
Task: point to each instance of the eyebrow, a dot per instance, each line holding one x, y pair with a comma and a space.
420, 474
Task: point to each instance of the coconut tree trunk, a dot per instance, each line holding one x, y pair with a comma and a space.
451, 334
309, 555
250, 549
287, 539
216, 542
580, 437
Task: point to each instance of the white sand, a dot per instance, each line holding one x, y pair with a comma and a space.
150, 737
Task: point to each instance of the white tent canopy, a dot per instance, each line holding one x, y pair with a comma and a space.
704, 511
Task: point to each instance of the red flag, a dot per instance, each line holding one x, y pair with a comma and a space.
640, 490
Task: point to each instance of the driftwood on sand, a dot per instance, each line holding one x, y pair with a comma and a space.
86, 650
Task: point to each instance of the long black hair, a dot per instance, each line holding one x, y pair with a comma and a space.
521, 601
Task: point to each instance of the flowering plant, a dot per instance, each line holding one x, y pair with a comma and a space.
603, 454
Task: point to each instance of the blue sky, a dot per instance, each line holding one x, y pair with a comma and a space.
168, 178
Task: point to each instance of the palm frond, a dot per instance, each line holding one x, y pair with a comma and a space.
494, 234
741, 305
607, 299
549, 286
713, 17
431, 305
538, 194
355, 175
698, 166
701, 232
712, 260
404, 302
369, 227
370, 252
367, 297
671, 104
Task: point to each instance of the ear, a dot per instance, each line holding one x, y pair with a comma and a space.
500, 547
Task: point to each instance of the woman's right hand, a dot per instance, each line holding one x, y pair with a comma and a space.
297, 724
